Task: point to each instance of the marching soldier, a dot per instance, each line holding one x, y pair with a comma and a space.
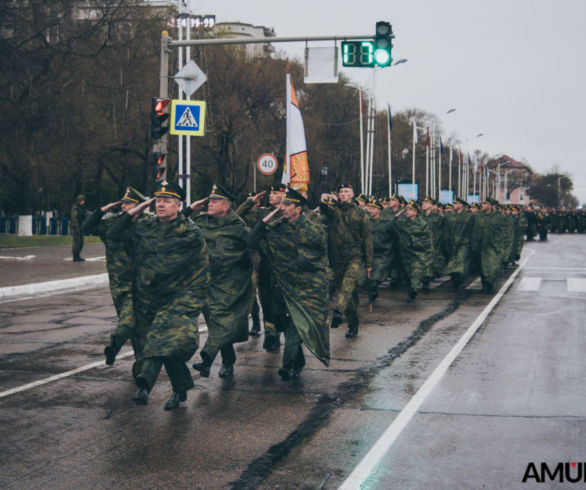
297, 249
415, 247
252, 214
436, 222
120, 269
458, 231
230, 290
383, 243
170, 285
350, 249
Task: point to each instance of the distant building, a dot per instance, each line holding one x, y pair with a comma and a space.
238, 29
509, 180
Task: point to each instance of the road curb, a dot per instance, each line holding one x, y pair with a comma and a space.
48, 288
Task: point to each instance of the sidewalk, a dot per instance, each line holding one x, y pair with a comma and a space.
33, 271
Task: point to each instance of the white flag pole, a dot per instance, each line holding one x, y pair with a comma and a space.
389, 151
360, 103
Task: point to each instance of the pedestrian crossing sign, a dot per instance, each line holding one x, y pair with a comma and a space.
188, 117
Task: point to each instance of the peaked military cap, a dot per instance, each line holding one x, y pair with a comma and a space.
429, 199
412, 204
402, 200
218, 192
169, 189
395, 197
293, 197
345, 185
461, 201
278, 188
449, 205
361, 197
375, 203
132, 195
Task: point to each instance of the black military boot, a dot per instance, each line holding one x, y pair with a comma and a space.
336, 319
271, 342
176, 398
110, 352
141, 397
204, 366
226, 370
411, 294
352, 327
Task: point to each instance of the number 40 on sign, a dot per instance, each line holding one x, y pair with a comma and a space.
267, 164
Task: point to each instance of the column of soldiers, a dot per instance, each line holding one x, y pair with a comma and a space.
214, 258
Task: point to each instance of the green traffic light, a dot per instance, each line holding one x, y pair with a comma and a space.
382, 57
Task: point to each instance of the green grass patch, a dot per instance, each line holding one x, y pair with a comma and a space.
13, 241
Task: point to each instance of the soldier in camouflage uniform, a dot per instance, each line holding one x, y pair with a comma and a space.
415, 247
458, 231
350, 250
230, 291
78, 216
297, 249
252, 214
120, 268
383, 244
487, 240
520, 226
170, 288
436, 223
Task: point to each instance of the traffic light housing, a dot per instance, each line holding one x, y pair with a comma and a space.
160, 111
159, 165
383, 44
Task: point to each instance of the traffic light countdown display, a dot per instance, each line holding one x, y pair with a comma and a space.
370, 52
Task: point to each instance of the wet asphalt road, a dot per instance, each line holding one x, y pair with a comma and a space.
513, 396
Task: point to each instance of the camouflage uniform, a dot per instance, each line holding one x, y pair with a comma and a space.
436, 223
297, 252
120, 272
487, 241
170, 286
383, 244
230, 290
251, 216
350, 250
78, 216
519, 240
458, 231
416, 249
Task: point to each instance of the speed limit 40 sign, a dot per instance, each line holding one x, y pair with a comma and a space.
267, 164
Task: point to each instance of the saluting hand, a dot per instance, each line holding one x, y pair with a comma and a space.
257, 197
110, 206
198, 205
141, 207
272, 214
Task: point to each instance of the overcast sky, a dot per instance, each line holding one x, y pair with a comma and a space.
513, 69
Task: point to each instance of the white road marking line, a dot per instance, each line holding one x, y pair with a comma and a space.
87, 367
26, 257
476, 284
537, 268
576, 285
368, 463
89, 259
66, 374
529, 284
38, 289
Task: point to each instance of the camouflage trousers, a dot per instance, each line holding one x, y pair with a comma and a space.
125, 329
346, 281
293, 357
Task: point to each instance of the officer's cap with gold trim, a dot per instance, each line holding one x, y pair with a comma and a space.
412, 204
362, 197
133, 196
219, 192
429, 199
169, 189
461, 201
293, 197
375, 203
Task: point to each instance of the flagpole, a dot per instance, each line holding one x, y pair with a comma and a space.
367, 159
373, 116
413, 152
432, 161
460, 173
450, 172
427, 163
361, 104
439, 172
389, 151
